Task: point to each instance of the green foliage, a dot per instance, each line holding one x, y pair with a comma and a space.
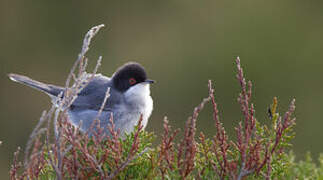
146, 167
305, 169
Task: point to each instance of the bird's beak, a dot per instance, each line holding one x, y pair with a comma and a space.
149, 81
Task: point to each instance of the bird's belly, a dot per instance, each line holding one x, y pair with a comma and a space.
124, 119
85, 118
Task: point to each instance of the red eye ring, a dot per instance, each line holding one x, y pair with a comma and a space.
132, 81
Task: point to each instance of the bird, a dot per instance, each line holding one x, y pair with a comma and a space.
129, 99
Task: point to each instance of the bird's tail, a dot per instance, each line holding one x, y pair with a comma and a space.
47, 88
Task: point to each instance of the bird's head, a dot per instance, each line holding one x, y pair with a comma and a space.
129, 76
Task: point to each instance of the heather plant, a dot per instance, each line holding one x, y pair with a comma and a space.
259, 151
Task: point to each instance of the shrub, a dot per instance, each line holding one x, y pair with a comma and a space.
259, 151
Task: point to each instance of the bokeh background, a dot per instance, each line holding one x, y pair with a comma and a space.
182, 44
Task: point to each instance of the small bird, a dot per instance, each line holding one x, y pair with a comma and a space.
129, 98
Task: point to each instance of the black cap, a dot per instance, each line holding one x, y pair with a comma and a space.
129, 75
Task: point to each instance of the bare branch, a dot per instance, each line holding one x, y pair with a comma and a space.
85, 47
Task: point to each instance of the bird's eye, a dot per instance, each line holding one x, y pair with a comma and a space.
132, 81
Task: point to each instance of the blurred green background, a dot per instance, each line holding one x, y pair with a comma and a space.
182, 44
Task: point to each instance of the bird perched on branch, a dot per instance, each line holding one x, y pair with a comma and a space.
129, 99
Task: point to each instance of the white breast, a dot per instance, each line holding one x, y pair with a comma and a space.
140, 100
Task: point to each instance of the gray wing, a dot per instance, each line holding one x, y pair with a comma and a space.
92, 96
86, 106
